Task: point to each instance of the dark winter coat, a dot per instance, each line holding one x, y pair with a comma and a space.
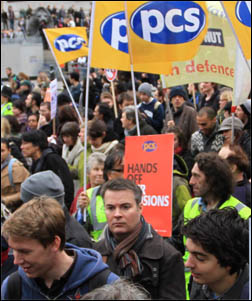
50, 160
185, 119
163, 268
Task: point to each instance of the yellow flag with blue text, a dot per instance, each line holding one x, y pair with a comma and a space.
239, 14
110, 41
67, 43
162, 31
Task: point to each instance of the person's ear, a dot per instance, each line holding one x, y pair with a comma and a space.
56, 243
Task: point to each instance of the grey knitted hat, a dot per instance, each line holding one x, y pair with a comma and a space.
145, 88
43, 183
227, 124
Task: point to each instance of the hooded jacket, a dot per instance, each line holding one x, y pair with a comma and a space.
88, 264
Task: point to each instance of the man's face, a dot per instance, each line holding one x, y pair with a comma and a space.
198, 182
28, 149
206, 87
144, 97
126, 123
32, 257
28, 101
108, 101
177, 101
205, 124
96, 175
44, 111
204, 266
122, 212
4, 152
32, 122
126, 103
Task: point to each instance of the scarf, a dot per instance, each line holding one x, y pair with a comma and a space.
5, 162
105, 147
72, 157
125, 252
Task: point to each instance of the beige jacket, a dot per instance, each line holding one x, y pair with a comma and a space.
9, 194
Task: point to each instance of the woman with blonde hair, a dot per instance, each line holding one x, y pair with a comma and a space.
226, 95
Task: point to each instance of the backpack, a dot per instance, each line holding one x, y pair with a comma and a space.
14, 286
12, 160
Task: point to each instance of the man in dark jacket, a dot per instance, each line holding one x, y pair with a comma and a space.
133, 249
150, 109
218, 245
49, 184
35, 145
128, 120
182, 114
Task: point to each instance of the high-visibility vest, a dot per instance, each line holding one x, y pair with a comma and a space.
96, 212
192, 210
6, 109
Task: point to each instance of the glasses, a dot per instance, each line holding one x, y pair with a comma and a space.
117, 170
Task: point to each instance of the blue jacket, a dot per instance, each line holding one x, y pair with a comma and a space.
88, 263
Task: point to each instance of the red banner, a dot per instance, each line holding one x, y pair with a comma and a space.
149, 163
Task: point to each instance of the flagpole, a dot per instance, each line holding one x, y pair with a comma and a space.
238, 42
62, 76
131, 69
114, 99
90, 43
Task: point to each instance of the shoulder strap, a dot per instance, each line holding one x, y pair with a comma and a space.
12, 160
156, 105
99, 279
14, 286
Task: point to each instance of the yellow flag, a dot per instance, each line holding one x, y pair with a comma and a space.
67, 43
110, 41
239, 14
162, 31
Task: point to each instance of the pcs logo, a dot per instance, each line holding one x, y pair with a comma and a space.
163, 22
243, 13
149, 146
69, 42
114, 31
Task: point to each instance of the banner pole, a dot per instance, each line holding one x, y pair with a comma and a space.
237, 39
62, 76
132, 70
114, 99
90, 43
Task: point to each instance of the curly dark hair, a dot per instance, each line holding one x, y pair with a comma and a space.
222, 233
218, 174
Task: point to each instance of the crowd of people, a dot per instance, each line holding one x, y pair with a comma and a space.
14, 26
67, 241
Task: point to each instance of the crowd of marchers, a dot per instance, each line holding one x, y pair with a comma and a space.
62, 240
